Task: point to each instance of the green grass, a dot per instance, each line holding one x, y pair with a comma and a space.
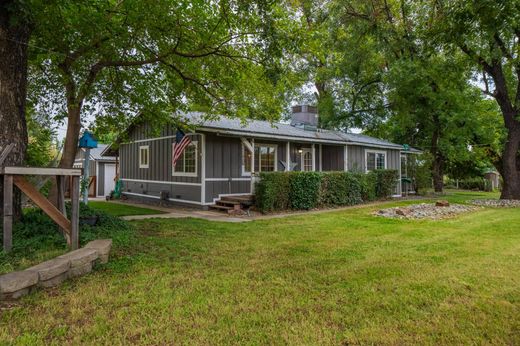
344, 277
119, 209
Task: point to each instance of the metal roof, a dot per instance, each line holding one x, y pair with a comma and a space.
96, 153
267, 129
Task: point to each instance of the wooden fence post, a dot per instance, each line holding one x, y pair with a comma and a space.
60, 184
74, 216
8, 212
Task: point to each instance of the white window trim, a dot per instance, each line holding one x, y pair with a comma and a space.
367, 151
147, 165
188, 174
275, 146
302, 162
244, 173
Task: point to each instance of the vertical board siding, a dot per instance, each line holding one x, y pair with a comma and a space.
356, 158
100, 179
333, 157
160, 166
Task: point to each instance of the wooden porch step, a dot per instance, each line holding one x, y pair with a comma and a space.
240, 198
221, 207
228, 203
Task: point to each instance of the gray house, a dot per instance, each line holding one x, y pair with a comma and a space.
225, 156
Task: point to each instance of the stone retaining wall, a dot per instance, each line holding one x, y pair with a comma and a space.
53, 272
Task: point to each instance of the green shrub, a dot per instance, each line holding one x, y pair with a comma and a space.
386, 182
368, 186
340, 188
305, 189
272, 193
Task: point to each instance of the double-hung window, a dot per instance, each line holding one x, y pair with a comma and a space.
375, 160
144, 156
186, 164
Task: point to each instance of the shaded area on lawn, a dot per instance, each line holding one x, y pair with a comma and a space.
37, 238
121, 209
344, 277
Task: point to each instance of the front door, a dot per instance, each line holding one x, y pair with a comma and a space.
306, 160
110, 174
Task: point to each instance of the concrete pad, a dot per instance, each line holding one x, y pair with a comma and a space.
81, 257
16, 281
50, 269
80, 270
102, 246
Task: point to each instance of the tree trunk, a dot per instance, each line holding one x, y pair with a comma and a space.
438, 173
70, 146
438, 158
14, 36
510, 164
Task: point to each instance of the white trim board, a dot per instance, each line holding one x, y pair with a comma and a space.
228, 179
161, 182
157, 197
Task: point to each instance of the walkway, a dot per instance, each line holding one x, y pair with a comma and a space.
180, 212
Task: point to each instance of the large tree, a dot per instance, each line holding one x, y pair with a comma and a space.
488, 32
118, 58
14, 36
338, 69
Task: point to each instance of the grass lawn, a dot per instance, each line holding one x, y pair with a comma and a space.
344, 277
119, 209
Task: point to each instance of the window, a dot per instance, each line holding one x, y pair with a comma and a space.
187, 163
306, 160
375, 160
144, 156
265, 158
246, 160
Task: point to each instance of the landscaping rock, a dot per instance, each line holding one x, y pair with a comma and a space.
17, 284
425, 211
80, 270
102, 246
55, 281
402, 211
80, 257
50, 269
497, 203
442, 203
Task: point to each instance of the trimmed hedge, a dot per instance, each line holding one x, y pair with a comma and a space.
340, 188
308, 190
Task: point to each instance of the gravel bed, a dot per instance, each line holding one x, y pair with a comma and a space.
497, 203
425, 211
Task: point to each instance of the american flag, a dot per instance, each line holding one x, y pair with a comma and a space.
181, 142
